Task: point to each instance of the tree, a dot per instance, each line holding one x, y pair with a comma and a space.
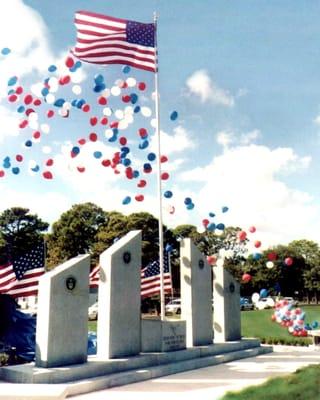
19, 231
75, 233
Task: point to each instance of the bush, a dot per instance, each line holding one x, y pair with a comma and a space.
290, 341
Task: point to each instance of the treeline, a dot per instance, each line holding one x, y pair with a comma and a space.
87, 228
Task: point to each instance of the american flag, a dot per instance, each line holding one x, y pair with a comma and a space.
150, 278
94, 277
106, 40
20, 277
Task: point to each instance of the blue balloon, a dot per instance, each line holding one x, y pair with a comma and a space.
80, 103
151, 156
211, 214
169, 248
211, 227
126, 200
190, 206
126, 162
220, 227
52, 68
98, 79
134, 98
126, 69
144, 144
256, 256
12, 81
15, 170
21, 109
168, 194
225, 209
263, 293
59, 102
125, 150
315, 324
36, 168
187, 201
113, 137
136, 109
97, 154
174, 116
78, 64
136, 173
28, 143
147, 167
99, 88
5, 51
75, 150
44, 91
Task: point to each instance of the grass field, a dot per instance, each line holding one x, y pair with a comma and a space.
304, 384
258, 323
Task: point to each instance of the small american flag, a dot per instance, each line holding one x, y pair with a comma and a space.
106, 40
94, 277
20, 277
150, 278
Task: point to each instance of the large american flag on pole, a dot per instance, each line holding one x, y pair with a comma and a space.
20, 276
107, 40
150, 278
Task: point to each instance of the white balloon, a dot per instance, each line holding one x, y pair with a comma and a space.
269, 264
129, 110
107, 111
50, 98
131, 82
255, 297
34, 124
53, 84
115, 90
106, 92
108, 133
76, 89
146, 111
119, 114
123, 124
153, 122
45, 128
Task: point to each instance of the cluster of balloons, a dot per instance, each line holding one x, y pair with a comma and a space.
293, 318
36, 110
210, 225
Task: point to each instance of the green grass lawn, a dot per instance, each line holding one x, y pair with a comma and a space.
304, 384
258, 324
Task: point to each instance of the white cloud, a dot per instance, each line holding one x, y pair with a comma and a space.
225, 138
228, 138
200, 84
180, 141
247, 180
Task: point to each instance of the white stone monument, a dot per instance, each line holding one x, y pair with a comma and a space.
226, 294
118, 332
62, 320
196, 295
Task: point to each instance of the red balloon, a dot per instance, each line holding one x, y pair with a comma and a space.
114, 124
36, 134
49, 162
102, 100
246, 278
242, 235
50, 113
164, 176
123, 141
85, 108
104, 121
288, 261
93, 137
163, 159
37, 102
28, 99
139, 197
141, 85
19, 90
47, 175
257, 243
211, 260
272, 256
19, 157
126, 98
1, 173
143, 133
23, 123
252, 229
205, 222
69, 62
82, 141
12, 98
81, 169
93, 121
106, 163
142, 183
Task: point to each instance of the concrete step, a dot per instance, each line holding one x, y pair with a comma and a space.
138, 375
16, 391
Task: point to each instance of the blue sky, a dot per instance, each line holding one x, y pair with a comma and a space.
244, 78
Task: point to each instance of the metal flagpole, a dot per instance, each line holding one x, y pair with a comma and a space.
161, 247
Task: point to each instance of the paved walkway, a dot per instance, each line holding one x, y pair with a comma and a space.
212, 382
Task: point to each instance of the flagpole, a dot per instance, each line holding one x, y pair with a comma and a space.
161, 247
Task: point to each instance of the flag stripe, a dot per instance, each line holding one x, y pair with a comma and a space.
106, 40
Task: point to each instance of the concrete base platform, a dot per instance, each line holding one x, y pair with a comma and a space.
99, 374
